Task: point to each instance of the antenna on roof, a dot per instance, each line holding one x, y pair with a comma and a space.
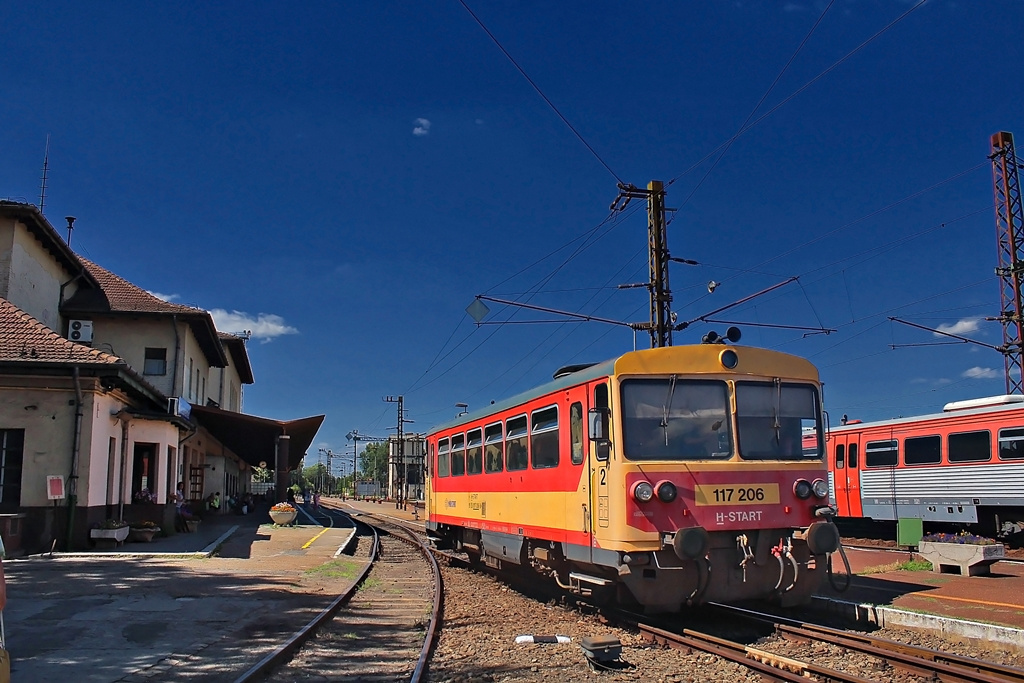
46, 166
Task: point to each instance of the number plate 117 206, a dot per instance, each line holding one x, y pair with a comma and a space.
736, 494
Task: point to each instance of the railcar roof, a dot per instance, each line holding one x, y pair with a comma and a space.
603, 369
982, 410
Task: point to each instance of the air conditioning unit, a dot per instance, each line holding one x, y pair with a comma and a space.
180, 407
80, 331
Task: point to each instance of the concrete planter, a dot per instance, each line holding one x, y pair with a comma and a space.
143, 534
282, 517
967, 559
109, 536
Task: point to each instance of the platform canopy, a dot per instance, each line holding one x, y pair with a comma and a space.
254, 439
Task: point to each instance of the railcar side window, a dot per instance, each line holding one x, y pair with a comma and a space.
458, 455
576, 432
922, 450
840, 456
779, 421
1011, 443
443, 470
516, 436
494, 453
970, 447
676, 419
881, 453
474, 453
544, 438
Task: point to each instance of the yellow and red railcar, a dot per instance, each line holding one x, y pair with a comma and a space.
664, 477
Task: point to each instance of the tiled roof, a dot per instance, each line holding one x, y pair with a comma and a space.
25, 339
124, 297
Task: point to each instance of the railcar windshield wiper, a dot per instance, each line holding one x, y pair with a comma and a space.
667, 406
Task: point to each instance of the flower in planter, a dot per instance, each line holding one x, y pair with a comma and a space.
113, 524
146, 525
283, 507
144, 496
962, 538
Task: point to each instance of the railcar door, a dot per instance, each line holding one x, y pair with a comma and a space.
844, 462
597, 472
577, 507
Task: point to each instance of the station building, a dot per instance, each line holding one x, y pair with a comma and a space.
110, 396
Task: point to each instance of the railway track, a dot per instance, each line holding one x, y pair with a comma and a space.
382, 628
889, 656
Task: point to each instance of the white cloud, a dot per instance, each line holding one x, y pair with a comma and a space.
960, 327
163, 297
981, 373
264, 326
422, 127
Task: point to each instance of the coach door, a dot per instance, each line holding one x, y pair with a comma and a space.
597, 471
844, 462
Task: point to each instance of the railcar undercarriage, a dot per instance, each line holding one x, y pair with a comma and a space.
776, 565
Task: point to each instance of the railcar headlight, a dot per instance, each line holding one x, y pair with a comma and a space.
643, 491
729, 359
802, 489
820, 487
667, 492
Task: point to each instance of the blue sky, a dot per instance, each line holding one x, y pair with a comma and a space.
343, 178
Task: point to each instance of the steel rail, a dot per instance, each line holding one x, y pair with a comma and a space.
290, 646
771, 666
921, 661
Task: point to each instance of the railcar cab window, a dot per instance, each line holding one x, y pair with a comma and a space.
516, 436
778, 421
881, 453
474, 453
494, 455
1011, 444
458, 455
443, 469
544, 438
970, 446
675, 419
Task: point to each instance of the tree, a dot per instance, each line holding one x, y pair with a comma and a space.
262, 474
373, 465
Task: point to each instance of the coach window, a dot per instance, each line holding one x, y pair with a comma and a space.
1011, 443
544, 438
516, 436
576, 432
881, 453
458, 455
922, 450
443, 470
840, 456
970, 446
851, 461
474, 453
494, 456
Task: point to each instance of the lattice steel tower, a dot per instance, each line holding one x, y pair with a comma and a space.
1010, 238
